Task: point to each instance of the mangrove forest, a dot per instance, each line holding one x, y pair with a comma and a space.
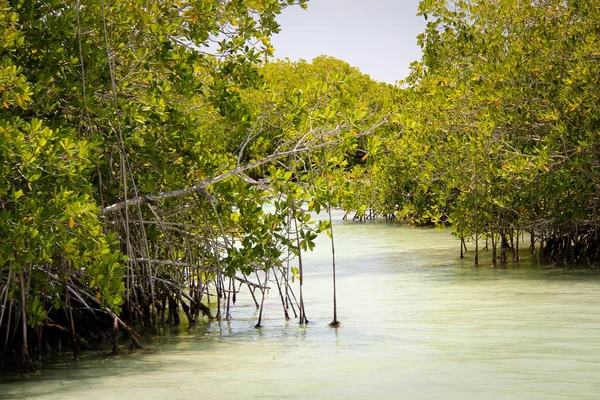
157, 162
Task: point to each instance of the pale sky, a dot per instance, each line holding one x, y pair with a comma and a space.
377, 36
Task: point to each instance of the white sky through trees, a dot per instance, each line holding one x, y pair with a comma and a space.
377, 36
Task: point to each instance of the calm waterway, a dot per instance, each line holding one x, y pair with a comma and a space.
417, 323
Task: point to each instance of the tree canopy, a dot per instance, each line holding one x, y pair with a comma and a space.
144, 147
498, 129
152, 156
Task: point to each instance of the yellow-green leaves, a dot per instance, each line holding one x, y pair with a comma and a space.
495, 117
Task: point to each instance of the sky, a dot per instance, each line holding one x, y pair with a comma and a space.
377, 36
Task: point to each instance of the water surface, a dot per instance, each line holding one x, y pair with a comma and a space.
417, 323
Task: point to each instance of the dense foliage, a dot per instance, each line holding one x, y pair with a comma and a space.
142, 147
499, 131
152, 161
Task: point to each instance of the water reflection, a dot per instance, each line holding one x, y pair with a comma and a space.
417, 322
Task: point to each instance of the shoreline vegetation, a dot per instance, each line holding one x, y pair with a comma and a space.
141, 144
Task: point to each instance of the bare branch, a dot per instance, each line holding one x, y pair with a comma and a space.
172, 263
302, 146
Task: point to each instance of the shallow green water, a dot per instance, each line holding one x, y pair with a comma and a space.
417, 323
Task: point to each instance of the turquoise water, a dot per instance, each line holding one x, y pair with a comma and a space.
417, 323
